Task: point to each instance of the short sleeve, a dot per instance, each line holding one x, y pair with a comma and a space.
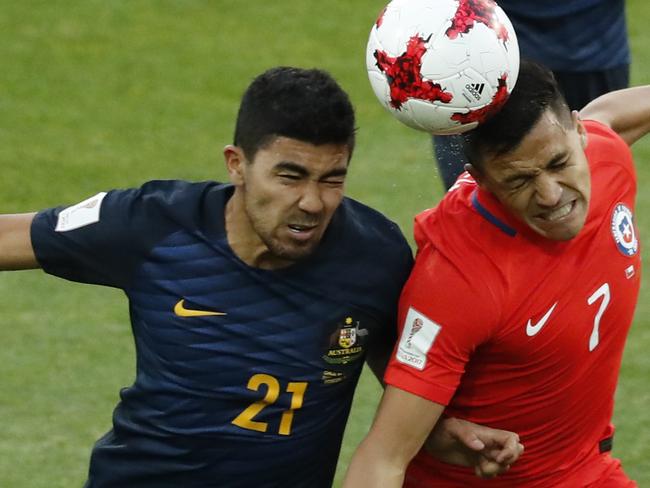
444, 316
102, 239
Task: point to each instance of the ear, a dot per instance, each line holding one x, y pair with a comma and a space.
474, 173
580, 128
235, 164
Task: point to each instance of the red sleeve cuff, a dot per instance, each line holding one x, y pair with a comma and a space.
401, 379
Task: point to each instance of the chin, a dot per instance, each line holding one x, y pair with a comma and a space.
294, 253
565, 234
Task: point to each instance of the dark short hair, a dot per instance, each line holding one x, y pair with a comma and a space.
536, 91
303, 104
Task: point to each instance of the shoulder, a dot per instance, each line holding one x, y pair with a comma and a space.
470, 238
465, 305
613, 175
602, 133
368, 230
367, 221
605, 148
460, 222
144, 215
363, 259
169, 193
160, 202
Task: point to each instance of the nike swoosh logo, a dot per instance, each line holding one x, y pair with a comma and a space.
533, 329
181, 311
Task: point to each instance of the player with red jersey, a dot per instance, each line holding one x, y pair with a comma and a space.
521, 298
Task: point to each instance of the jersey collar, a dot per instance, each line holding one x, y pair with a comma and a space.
490, 209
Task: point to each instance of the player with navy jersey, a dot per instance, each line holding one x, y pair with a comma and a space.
523, 291
253, 304
584, 42
245, 362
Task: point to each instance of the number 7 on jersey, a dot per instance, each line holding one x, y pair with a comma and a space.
603, 292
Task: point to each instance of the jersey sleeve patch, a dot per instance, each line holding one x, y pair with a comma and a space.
418, 336
81, 214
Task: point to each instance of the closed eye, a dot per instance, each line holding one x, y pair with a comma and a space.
290, 177
558, 166
559, 162
334, 182
517, 183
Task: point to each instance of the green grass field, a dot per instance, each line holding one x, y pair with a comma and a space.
102, 94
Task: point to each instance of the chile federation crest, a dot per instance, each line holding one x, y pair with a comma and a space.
623, 230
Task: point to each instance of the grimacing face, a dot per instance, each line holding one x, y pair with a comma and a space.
290, 191
545, 181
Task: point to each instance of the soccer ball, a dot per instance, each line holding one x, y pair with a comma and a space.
442, 66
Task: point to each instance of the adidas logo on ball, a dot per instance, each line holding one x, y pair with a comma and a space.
475, 89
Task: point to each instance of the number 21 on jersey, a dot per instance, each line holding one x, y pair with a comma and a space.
297, 391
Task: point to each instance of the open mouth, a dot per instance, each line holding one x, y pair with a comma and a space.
302, 232
559, 213
296, 228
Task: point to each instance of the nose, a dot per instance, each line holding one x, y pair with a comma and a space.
311, 200
548, 191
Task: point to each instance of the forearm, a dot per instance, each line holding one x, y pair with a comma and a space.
400, 428
16, 250
489, 451
371, 468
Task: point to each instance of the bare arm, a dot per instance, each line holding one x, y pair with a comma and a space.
16, 250
401, 426
489, 451
626, 111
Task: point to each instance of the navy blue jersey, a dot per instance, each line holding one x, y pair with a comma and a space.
581, 35
244, 376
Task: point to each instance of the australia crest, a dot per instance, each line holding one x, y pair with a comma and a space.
346, 342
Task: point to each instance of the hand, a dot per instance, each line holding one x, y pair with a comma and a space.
490, 452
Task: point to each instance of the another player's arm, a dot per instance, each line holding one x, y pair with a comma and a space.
489, 451
399, 430
626, 111
16, 250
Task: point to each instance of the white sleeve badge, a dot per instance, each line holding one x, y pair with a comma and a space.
418, 336
81, 214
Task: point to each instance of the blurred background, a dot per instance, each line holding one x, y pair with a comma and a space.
107, 94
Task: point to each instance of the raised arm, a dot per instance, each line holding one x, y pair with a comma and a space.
16, 250
626, 111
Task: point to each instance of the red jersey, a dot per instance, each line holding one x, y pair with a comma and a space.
518, 332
